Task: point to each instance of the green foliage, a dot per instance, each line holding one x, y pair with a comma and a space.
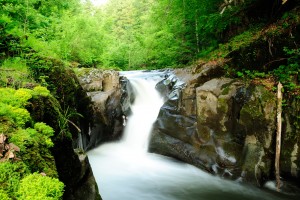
35, 150
22, 22
21, 138
288, 74
63, 121
44, 129
34, 140
10, 176
41, 91
74, 44
250, 74
16, 98
4, 195
20, 116
34, 147
39, 187
14, 73
12, 105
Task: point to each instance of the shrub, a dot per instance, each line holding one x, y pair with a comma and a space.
39, 187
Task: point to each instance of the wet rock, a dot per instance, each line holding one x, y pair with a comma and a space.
223, 126
127, 95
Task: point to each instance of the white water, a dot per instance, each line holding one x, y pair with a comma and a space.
125, 171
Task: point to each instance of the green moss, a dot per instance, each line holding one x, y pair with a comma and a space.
39, 187
4, 195
223, 105
225, 90
10, 176
41, 91
82, 71
33, 139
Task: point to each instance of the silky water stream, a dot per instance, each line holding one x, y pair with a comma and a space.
125, 171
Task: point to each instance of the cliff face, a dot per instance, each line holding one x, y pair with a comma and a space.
224, 126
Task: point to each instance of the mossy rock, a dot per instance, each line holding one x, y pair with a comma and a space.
290, 154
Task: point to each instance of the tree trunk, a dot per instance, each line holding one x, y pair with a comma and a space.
278, 135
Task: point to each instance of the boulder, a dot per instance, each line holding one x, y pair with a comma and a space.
224, 126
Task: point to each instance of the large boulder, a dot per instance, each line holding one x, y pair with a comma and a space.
224, 126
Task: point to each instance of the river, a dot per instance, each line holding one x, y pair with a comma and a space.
124, 170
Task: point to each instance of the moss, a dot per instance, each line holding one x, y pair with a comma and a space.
32, 138
4, 195
49, 111
223, 104
74, 102
10, 176
82, 71
39, 187
259, 115
225, 90
290, 136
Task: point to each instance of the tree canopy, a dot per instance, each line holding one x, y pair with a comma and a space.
127, 34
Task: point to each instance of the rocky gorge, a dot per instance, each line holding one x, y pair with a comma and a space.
222, 125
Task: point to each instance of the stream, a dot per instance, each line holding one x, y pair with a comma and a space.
124, 170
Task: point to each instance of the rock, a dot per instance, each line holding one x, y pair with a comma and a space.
99, 80
110, 100
86, 187
127, 95
223, 126
290, 154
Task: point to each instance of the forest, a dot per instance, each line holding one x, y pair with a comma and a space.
39, 36
132, 34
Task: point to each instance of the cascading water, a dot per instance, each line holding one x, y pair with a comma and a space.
144, 112
125, 171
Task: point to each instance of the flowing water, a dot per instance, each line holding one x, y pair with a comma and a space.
125, 171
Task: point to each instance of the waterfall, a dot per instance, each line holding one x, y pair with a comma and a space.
144, 112
124, 169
